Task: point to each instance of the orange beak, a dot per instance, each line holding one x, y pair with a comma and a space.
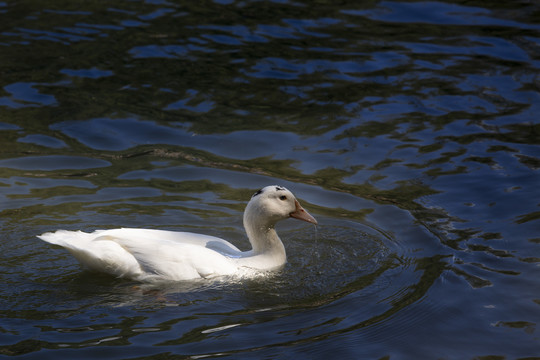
301, 214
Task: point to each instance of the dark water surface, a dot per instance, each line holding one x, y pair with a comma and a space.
410, 130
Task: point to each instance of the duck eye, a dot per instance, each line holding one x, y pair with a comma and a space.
282, 197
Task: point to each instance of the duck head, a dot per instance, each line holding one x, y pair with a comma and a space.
274, 203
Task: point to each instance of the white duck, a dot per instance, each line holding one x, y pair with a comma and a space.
150, 255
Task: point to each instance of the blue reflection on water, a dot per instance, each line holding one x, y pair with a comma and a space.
93, 73
409, 129
435, 13
53, 162
25, 95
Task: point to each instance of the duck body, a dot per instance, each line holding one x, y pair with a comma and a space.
154, 255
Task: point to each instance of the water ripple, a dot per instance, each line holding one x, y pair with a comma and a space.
407, 128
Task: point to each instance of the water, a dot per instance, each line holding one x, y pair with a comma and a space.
408, 129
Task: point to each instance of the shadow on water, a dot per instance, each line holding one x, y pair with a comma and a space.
407, 128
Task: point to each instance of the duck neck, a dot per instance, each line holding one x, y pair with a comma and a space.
267, 248
264, 239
